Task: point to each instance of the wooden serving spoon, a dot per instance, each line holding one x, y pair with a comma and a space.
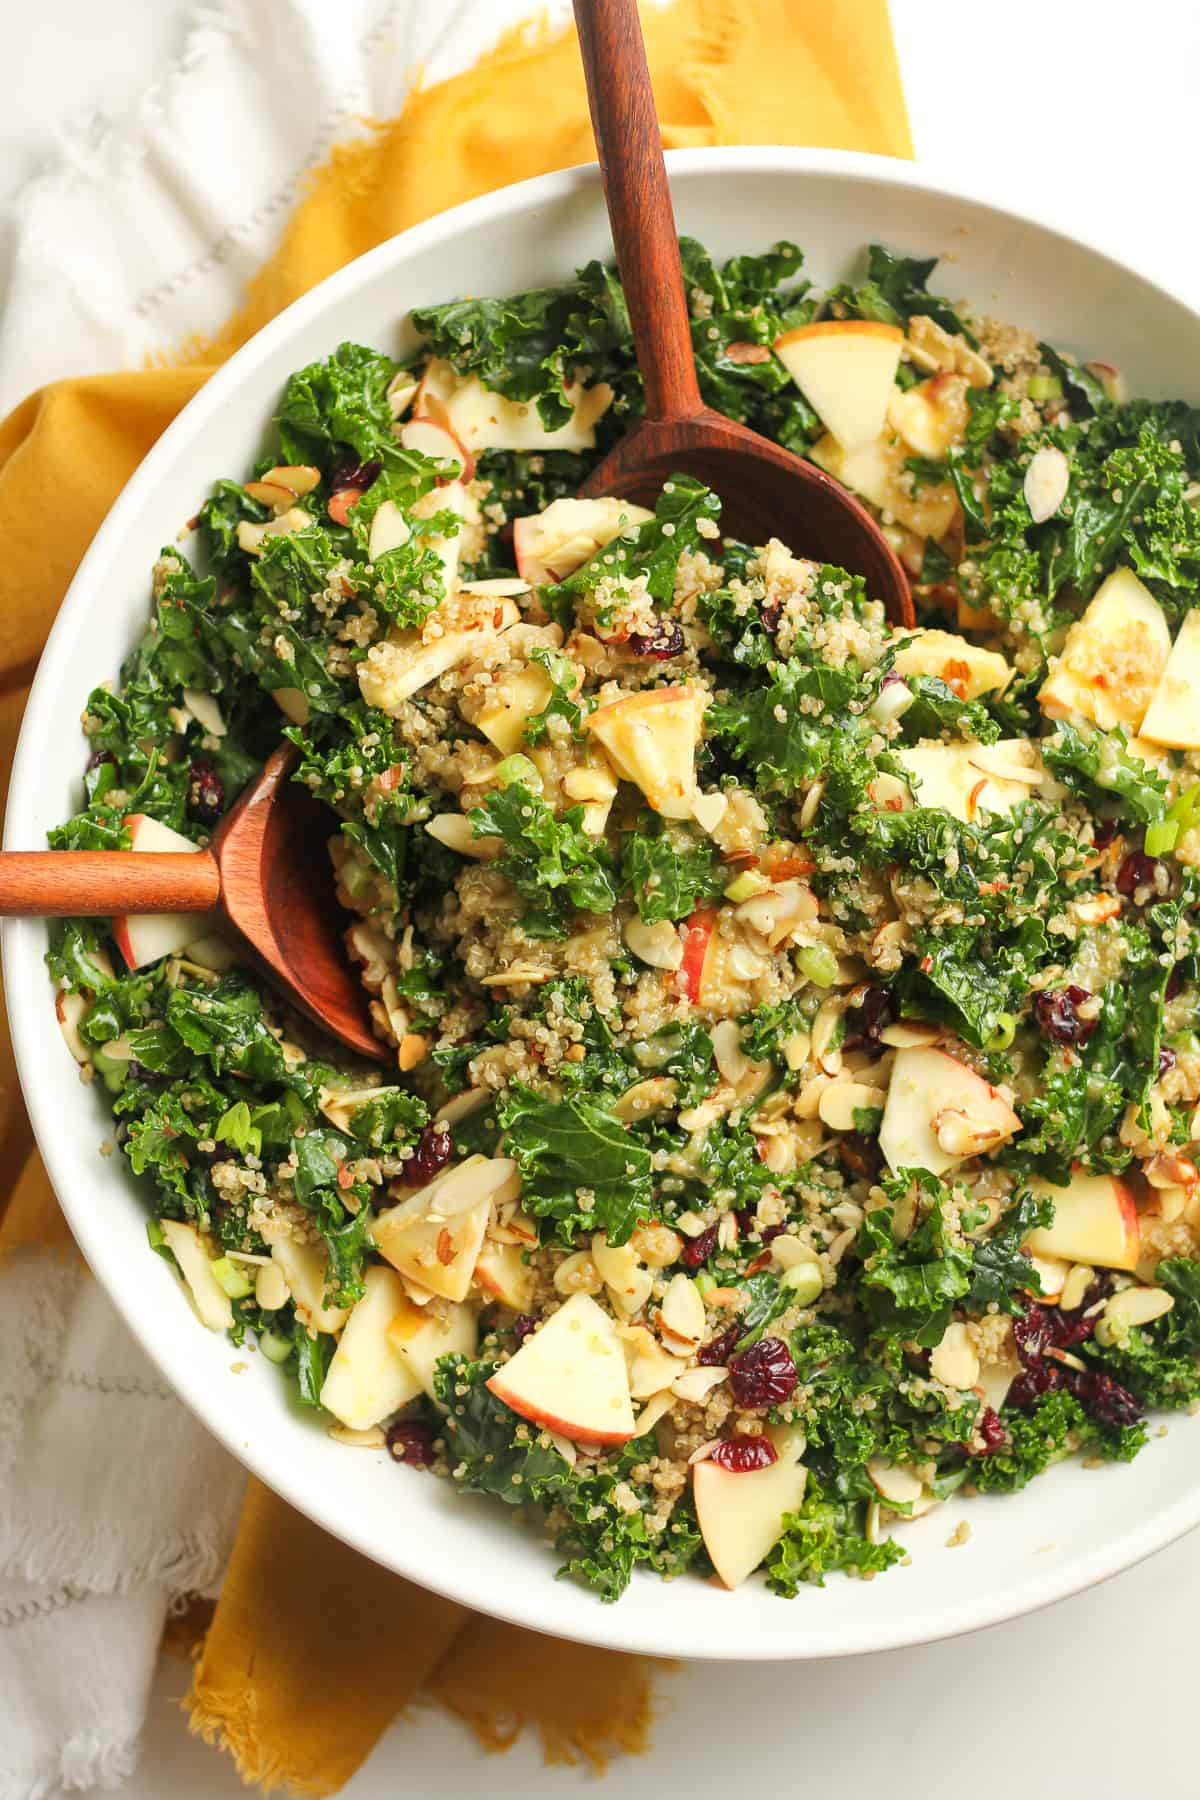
266, 875
765, 490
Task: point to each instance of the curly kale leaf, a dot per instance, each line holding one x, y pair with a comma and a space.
896, 288
1100, 765
937, 709
912, 1285
797, 727
1001, 1269
827, 1535
581, 1168
549, 860
340, 405
670, 869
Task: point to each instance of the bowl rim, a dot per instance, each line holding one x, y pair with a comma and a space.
590, 1622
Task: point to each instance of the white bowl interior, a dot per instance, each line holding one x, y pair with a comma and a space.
1069, 1528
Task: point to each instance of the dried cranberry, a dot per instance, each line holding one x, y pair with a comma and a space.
742, 1454
1166, 1060
139, 1072
1175, 982
664, 641
356, 475
205, 793
860, 1153
1038, 1379
763, 1375
434, 1150
697, 1250
523, 1325
717, 1354
1105, 1399
1104, 831
1137, 870
97, 758
991, 1430
770, 616
1058, 1015
411, 1441
865, 1021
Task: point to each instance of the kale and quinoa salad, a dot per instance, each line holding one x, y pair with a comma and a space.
793, 1061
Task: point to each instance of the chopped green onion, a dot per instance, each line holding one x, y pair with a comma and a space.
746, 885
231, 1278
1162, 837
518, 768
803, 1282
704, 1283
1185, 811
819, 963
275, 1348
1045, 387
1005, 1032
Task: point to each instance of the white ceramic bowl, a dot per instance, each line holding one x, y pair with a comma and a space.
1070, 1528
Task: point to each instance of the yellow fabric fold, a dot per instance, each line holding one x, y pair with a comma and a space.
312, 1651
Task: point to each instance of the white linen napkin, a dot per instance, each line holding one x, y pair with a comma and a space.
113, 1501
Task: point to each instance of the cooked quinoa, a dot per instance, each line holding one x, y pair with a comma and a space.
794, 1079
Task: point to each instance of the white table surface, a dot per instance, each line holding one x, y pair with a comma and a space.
1095, 1697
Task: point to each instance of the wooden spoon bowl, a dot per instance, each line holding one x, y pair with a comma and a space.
765, 490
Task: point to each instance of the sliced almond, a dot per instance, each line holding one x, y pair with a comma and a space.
373, 1438
205, 711
787, 1251
911, 1035
659, 945
960, 1135
1132, 1307
796, 1050
1075, 1287
695, 1385
645, 1098
682, 1312
534, 973
653, 1372
1046, 481
898, 1485
577, 1274
298, 478
825, 1030
462, 1187
954, 1360
461, 1106
656, 1408
841, 1100
709, 809
456, 832
1052, 1273
271, 493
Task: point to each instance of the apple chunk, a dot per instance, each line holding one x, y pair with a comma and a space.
551, 544
368, 1379
939, 1112
966, 668
435, 1235
1173, 718
144, 937
1113, 658
482, 419
967, 779
1095, 1221
741, 1515
651, 739
846, 369
570, 1376
420, 1338
501, 1272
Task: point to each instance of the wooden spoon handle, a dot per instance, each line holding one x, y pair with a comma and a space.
100, 883
625, 124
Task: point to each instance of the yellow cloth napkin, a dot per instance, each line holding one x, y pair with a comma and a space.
267, 1685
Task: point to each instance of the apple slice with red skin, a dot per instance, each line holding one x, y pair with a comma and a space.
145, 937
650, 738
570, 1376
1095, 1221
501, 1272
697, 934
846, 369
741, 1515
551, 544
939, 1112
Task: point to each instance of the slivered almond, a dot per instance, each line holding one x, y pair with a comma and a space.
824, 1031
682, 1312
564, 1446
695, 1385
838, 1103
812, 801
517, 972
1001, 771
703, 1452
1075, 1287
